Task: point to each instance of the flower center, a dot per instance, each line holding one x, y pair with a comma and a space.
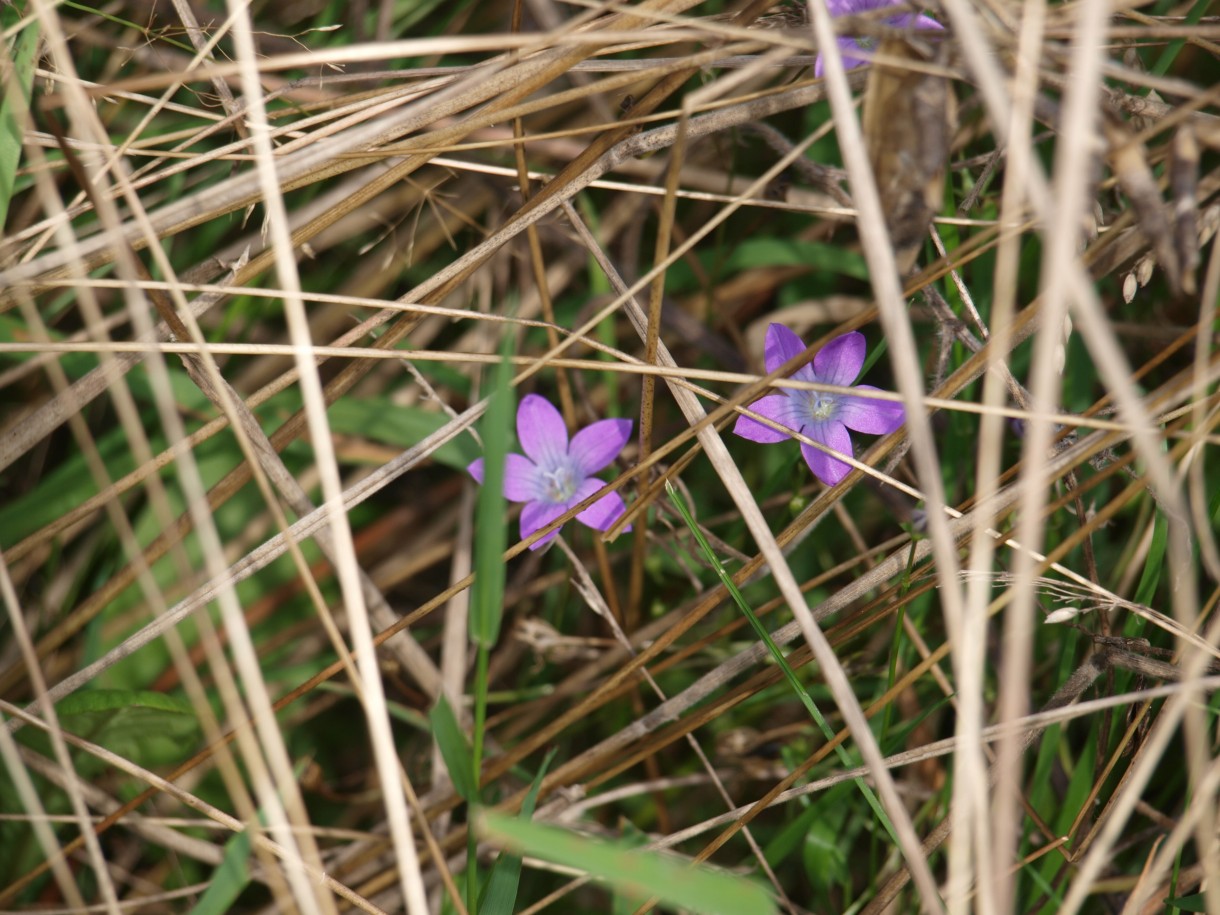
821, 406
559, 483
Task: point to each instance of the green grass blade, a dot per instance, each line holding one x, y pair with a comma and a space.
18, 79
780, 660
231, 877
1145, 592
1174, 47
454, 749
491, 525
696, 889
500, 896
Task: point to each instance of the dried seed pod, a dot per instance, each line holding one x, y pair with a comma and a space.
1143, 270
909, 117
1130, 164
1130, 285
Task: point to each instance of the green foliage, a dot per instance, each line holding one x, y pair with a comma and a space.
679, 885
755, 253
829, 849
147, 727
793, 681
500, 895
491, 529
454, 749
378, 420
15, 89
231, 877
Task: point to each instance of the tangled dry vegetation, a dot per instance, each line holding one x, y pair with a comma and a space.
259, 267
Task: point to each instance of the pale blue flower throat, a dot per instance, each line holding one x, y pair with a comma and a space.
560, 483
821, 406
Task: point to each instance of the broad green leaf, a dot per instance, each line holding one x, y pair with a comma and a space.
674, 883
230, 878
147, 727
824, 851
454, 749
62, 489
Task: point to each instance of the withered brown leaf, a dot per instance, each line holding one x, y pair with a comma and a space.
909, 118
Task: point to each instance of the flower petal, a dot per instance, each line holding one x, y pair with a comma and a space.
832, 434
849, 48
537, 515
912, 21
521, 482
782, 345
855, 7
863, 414
602, 513
476, 469
839, 361
595, 446
540, 428
775, 407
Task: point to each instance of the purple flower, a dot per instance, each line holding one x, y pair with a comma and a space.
554, 474
850, 47
824, 418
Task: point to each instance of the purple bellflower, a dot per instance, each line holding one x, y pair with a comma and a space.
851, 46
819, 416
554, 474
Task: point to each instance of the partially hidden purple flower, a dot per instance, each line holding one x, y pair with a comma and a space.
554, 474
851, 46
819, 416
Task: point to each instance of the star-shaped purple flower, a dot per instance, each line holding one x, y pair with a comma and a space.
554, 474
850, 46
822, 417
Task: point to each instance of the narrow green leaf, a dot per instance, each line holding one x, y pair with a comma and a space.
14, 103
790, 837
500, 895
454, 749
491, 523
765, 637
1145, 593
679, 885
1174, 47
230, 878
